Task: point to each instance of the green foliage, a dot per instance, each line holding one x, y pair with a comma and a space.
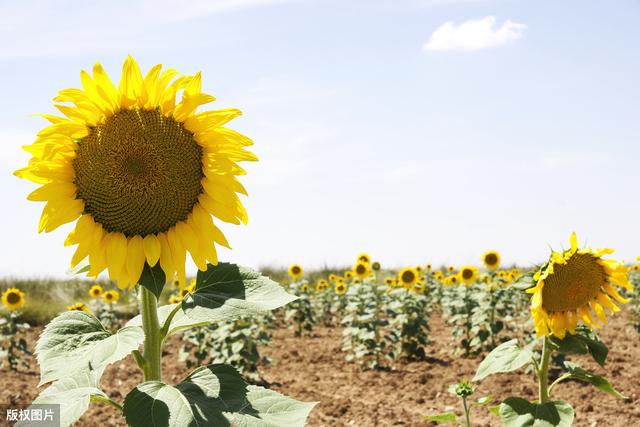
13, 346
517, 412
75, 348
234, 342
300, 313
367, 336
409, 313
211, 395
507, 357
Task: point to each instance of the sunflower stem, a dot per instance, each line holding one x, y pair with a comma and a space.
467, 416
543, 372
152, 338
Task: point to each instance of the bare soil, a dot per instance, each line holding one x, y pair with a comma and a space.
312, 368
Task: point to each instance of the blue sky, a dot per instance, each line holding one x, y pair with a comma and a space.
419, 131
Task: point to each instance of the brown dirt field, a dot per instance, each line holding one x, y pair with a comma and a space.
312, 368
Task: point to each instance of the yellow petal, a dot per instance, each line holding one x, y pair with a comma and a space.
135, 259
56, 213
116, 251
152, 249
166, 260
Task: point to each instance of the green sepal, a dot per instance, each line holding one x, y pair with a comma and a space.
153, 278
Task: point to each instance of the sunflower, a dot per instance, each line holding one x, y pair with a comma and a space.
451, 269
333, 277
419, 268
407, 277
451, 280
390, 281
635, 267
362, 270
438, 275
176, 283
428, 267
111, 296
322, 285
13, 298
375, 266
364, 257
295, 271
304, 287
348, 274
573, 286
174, 299
491, 259
95, 291
341, 288
140, 170
468, 274
183, 293
78, 307
418, 287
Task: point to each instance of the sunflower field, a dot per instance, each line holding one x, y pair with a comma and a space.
145, 178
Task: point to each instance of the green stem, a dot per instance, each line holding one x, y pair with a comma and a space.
467, 416
543, 372
167, 323
152, 338
106, 401
557, 381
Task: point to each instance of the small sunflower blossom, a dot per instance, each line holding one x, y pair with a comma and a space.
468, 274
111, 296
79, 306
574, 286
95, 291
13, 299
295, 271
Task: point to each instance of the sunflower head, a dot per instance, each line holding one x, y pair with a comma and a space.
635, 267
375, 266
295, 271
364, 257
79, 306
304, 287
140, 171
576, 285
428, 267
322, 285
491, 260
95, 291
408, 277
452, 279
451, 269
184, 292
348, 274
468, 274
419, 287
111, 296
390, 281
174, 299
341, 288
13, 299
361, 270
176, 283
333, 277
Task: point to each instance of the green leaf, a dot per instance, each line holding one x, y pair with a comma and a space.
600, 382
483, 400
267, 408
153, 278
212, 395
584, 341
81, 268
507, 357
73, 394
445, 417
76, 342
227, 291
517, 412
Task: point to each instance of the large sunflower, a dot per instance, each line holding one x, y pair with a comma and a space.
573, 286
140, 170
13, 298
408, 277
361, 269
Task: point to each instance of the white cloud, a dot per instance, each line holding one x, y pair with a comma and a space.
474, 35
